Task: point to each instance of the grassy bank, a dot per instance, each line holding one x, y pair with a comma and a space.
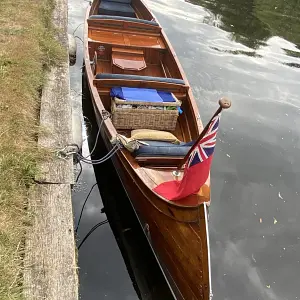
27, 49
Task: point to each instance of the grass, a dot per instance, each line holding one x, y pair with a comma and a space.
27, 49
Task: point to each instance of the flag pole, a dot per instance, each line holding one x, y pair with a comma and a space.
224, 104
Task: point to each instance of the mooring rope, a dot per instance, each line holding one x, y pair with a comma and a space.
84, 203
103, 159
73, 149
105, 115
91, 231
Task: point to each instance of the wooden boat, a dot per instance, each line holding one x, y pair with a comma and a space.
125, 46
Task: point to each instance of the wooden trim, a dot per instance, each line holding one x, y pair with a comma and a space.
126, 39
159, 162
99, 83
111, 131
123, 25
163, 68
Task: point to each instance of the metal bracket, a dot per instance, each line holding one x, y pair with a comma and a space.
147, 231
176, 173
66, 152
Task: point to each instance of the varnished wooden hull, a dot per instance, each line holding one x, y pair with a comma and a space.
178, 235
177, 232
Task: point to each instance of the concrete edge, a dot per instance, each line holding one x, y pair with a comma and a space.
50, 264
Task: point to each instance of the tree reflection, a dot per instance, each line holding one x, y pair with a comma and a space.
253, 22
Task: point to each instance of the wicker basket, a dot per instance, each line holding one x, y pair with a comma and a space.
143, 117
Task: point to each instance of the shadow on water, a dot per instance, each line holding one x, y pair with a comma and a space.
141, 264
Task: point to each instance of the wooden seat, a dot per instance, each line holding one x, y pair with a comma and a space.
103, 82
126, 39
124, 24
127, 60
102, 19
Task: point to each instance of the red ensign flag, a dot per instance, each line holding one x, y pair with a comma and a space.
197, 168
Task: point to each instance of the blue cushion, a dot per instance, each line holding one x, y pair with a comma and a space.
116, 9
158, 149
137, 77
98, 17
141, 94
120, 1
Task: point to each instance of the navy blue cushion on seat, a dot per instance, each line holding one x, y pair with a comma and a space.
159, 148
116, 9
119, 18
120, 1
137, 77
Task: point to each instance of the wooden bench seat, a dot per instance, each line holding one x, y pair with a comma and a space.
104, 83
123, 23
125, 39
173, 85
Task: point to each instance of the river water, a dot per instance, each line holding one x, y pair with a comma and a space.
250, 52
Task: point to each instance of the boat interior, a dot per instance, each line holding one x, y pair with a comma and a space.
128, 49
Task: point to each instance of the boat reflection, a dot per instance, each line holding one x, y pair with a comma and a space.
147, 278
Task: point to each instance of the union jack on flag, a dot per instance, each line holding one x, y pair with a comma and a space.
197, 168
206, 146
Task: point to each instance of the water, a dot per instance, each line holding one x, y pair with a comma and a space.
248, 51
102, 271
115, 262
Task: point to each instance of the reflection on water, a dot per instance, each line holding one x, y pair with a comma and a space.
115, 262
249, 51
147, 280
253, 22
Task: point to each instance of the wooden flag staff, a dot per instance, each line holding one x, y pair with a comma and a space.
224, 104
